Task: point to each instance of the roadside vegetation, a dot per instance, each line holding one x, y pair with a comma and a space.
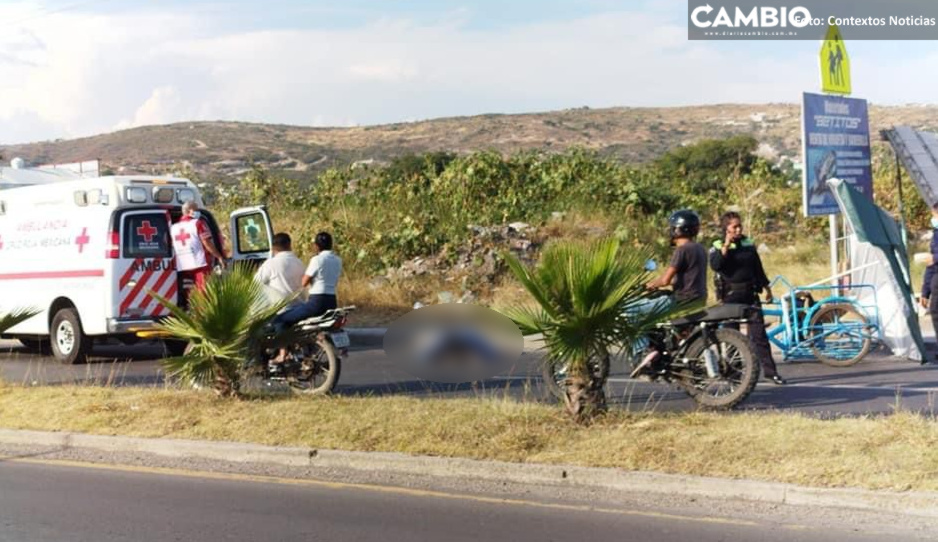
430, 208
877, 452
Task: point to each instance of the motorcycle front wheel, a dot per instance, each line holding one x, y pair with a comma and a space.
737, 375
319, 370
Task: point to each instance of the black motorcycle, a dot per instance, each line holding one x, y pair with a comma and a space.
315, 348
708, 360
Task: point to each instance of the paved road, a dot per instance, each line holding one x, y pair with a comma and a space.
45, 500
879, 384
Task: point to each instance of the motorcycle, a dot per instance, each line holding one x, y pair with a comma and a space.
315, 350
709, 361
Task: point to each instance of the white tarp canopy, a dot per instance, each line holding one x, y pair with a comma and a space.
878, 258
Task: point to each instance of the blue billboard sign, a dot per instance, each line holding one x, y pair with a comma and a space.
835, 144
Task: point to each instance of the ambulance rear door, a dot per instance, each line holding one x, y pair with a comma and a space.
251, 235
143, 250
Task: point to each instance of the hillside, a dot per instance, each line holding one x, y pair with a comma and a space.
219, 150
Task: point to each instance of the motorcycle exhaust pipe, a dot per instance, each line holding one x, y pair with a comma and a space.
710, 359
711, 363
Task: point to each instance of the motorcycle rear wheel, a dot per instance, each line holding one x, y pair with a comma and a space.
738, 369
319, 372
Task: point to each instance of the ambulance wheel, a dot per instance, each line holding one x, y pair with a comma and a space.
70, 345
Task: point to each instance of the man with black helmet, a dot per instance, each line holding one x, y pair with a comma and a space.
687, 270
740, 279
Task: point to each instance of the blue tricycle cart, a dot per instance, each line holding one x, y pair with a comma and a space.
837, 325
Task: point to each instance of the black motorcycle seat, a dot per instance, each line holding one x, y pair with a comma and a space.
718, 313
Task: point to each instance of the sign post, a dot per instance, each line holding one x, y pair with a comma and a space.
836, 137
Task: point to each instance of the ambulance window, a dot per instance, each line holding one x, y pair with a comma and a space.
252, 234
163, 195
185, 194
146, 236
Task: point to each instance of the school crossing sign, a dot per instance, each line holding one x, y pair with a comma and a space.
835, 63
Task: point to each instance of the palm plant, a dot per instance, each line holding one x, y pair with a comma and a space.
16, 317
585, 296
224, 323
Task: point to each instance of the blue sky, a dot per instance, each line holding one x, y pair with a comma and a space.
71, 68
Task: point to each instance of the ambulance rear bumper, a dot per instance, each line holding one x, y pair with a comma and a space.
116, 326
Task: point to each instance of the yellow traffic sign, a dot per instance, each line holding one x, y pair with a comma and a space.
835, 63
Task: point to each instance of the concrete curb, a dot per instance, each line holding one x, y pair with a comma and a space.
913, 503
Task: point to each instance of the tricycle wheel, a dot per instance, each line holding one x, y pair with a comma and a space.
841, 336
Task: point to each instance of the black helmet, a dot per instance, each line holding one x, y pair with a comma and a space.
684, 223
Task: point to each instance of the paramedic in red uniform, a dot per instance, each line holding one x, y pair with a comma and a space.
193, 244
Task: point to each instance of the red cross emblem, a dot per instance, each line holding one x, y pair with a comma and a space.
182, 237
82, 240
147, 231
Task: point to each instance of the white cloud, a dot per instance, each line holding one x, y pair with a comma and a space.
164, 106
73, 75
391, 70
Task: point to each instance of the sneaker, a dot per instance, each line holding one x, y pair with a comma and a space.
778, 381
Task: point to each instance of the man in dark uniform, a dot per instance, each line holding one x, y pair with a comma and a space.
930, 282
740, 278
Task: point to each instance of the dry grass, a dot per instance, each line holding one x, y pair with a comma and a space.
380, 303
889, 452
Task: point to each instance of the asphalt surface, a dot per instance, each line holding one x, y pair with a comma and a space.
46, 499
878, 384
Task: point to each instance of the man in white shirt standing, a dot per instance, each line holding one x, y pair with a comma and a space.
283, 273
322, 277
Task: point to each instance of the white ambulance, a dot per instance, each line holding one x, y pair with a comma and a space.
88, 252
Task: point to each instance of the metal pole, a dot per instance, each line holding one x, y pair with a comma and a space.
834, 270
905, 234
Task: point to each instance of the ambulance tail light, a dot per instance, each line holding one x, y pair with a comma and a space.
113, 251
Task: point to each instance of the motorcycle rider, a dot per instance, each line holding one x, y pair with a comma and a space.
740, 277
687, 270
282, 274
322, 277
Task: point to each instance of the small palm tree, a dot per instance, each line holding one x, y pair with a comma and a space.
16, 317
583, 294
223, 325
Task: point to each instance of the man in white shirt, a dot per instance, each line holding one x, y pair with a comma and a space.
322, 277
283, 273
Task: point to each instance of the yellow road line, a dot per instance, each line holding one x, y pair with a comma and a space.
255, 478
